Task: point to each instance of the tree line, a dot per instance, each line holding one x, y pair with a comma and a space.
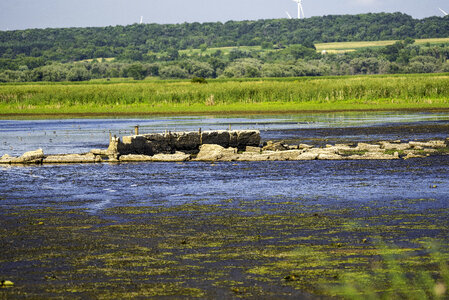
286, 49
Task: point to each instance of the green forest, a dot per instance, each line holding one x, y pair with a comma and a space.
262, 48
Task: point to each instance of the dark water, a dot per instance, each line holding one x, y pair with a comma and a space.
328, 184
331, 184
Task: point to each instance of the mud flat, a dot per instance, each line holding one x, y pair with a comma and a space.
244, 145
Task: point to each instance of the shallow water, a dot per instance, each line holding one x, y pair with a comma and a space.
326, 184
335, 184
81, 135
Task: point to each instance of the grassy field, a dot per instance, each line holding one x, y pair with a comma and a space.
339, 47
386, 92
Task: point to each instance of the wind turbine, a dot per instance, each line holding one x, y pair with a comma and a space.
290, 17
445, 13
300, 9
141, 20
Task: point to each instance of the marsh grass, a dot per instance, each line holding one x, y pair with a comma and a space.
289, 94
398, 276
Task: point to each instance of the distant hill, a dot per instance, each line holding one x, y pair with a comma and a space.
133, 42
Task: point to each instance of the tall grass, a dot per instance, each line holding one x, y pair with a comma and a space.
330, 91
398, 276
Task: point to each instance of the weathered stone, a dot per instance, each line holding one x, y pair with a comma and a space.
210, 152
413, 155
394, 146
30, 157
272, 146
176, 157
283, 155
219, 137
252, 149
304, 146
168, 143
329, 156
72, 159
135, 158
247, 138
380, 156
6, 159
308, 156
100, 152
429, 144
367, 147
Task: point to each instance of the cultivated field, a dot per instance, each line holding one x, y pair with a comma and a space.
339, 47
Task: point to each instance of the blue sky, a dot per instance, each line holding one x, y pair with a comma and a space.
22, 14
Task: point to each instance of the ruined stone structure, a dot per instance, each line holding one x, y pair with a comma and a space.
229, 146
187, 142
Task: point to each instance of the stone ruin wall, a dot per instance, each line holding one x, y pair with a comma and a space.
187, 142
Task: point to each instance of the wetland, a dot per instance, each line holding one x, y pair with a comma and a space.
290, 229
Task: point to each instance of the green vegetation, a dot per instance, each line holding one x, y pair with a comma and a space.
360, 44
195, 250
257, 95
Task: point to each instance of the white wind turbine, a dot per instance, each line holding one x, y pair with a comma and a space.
141, 20
300, 9
445, 13
290, 17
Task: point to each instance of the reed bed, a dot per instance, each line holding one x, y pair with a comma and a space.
331, 92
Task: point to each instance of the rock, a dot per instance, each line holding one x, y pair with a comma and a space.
72, 159
329, 156
155, 143
283, 155
30, 157
177, 157
6, 159
219, 137
135, 158
367, 147
413, 155
99, 152
304, 146
252, 149
308, 156
6, 283
247, 138
380, 156
251, 156
396, 146
429, 144
210, 152
272, 146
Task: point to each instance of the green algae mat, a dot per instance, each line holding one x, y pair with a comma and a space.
232, 249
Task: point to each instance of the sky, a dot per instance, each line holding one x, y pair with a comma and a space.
24, 14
